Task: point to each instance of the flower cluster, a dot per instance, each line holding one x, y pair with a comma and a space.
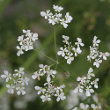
83, 106
95, 54
49, 88
56, 17
86, 83
96, 105
69, 51
26, 41
16, 81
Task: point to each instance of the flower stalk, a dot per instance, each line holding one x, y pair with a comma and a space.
55, 46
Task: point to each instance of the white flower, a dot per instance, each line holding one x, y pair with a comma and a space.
62, 51
46, 14
21, 39
20, 50
60, 96
95, 41
69, 51
26, 41
56, 17
62, 21
75, 108
95, 83
50, 74
57, 8
68, 18
69, 58
77, 51
10, 88
19, 72
86, 83
24, 81
95, 107
90, 73
97, 62
45, 97
105, 55
79, 42
17, 81
95, 54
6, 76
40, 90
59, 93
49, 89
83, 106
35, 37
66, 38
89, 91
92, 104
36, 75
52, 20
20, 90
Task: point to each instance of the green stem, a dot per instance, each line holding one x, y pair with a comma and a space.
55, 45
45, 55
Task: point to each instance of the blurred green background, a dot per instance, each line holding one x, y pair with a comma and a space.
90, 17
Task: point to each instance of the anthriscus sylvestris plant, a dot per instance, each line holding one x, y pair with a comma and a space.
87, 84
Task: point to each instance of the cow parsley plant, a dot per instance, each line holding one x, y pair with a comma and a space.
16, 82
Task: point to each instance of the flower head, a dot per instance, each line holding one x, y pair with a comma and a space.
95, 54
26, 41
69, 51
56, 17
86, 83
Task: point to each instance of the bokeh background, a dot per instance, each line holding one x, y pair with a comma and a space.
90, 17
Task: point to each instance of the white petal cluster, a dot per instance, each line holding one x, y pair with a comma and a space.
83, 106
96, 105
26, 41
49, 88
73, 99
16, 82
56, 17
95, 54
69, 51
87, 83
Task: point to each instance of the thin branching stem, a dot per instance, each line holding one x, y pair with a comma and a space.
55, 45
38, 51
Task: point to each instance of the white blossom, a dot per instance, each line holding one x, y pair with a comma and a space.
10, 88
79, 42
77, 51
16, 82
95, 41
69, 58
45, 97
84, 106
69, 51
6, 76
66, 38
49, 89
20, 90
60, 96
87, 83
46, 14
97, 62
95, 54
26, 41
56, 17
105, 55
57, 8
